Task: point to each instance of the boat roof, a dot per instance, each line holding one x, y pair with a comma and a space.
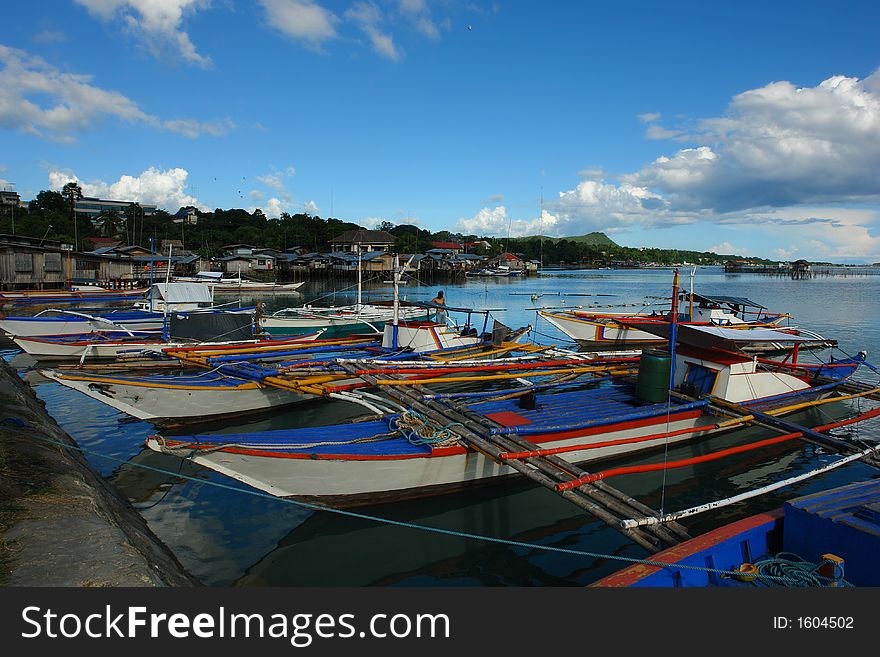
731, 301
178, 292
718, 337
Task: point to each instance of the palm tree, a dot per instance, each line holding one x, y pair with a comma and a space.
72, 193
110, 223
131, 213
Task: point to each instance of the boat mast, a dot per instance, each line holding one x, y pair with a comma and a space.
167, 294
360, 277
693, 271
396, 320
673, 337
152, 264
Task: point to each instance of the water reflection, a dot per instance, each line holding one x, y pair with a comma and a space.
227, 537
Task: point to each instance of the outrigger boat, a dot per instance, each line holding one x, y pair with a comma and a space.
256, 377
337, 321
121, 345
81, 294
220, 285
437, 443
606, 331
147, 316
54, 321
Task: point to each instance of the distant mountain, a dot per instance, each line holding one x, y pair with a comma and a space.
596, 239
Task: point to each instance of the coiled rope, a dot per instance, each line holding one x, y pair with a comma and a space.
419, 429
790, 570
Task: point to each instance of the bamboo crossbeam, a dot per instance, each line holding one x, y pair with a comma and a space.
671, 465
489, 377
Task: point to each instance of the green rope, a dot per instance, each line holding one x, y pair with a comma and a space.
419, 429
790, 570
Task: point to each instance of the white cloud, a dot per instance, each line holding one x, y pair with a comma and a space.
192, 128
779, 145
310, 207
496, 221
39, 99
256, 195
165, 189
274, 208
302, 20
275, 180
369, 18
157, 23
71, 103
419, 15
659, 132
726, 248
649, 117
49, 36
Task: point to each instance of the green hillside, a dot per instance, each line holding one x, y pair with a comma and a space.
593, 239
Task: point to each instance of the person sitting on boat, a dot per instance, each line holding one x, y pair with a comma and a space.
440, 317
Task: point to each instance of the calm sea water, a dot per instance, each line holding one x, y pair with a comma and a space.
226, 537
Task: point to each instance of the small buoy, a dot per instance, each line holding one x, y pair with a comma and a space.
747, 572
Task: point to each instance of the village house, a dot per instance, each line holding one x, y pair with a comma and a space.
31, 263
508, 260
362, 240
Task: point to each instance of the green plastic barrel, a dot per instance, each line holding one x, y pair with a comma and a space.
653, 381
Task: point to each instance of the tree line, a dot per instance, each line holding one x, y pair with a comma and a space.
50, 216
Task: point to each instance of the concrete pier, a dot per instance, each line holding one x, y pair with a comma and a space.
62, 524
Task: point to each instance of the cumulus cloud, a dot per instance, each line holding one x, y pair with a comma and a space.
283, 199
302, 20
165, 189
156, 23
497, 221
726, 248
780, 157
275, 180
310, 207
39, 99
370, 19
69, 101
779, 145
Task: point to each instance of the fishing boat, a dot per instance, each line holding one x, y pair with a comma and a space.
149, 315
501, 271
223, 328
74, 295
54, 321
436, 445
337, 321
268, 373
172, 399
602, 331
826, 539
226, 285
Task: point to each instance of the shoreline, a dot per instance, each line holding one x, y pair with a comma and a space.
61, 523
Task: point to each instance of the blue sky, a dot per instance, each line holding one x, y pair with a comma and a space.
739, 127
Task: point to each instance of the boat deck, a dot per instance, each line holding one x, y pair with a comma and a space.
604, 404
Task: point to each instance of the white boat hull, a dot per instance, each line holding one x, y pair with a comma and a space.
353, 481
39, 326
170, 403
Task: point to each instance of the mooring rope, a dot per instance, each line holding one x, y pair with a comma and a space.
398, 523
